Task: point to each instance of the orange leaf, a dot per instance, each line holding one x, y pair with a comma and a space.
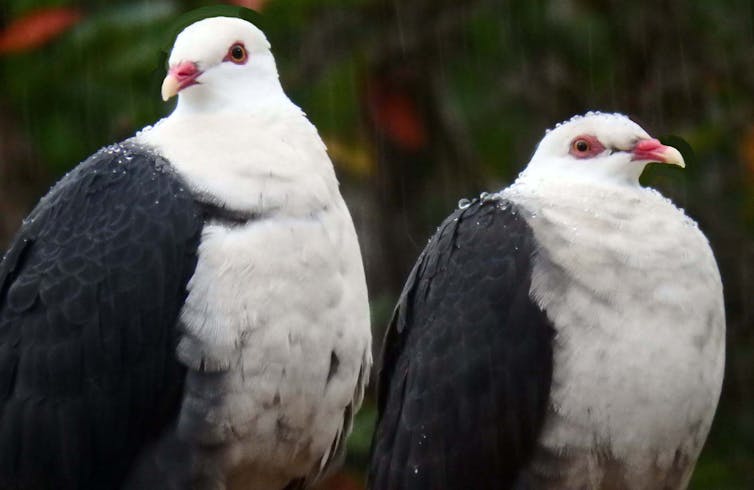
397, 115
36, 28
257, 5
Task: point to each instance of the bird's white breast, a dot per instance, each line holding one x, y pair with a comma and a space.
274, 301
634, 293
277, 299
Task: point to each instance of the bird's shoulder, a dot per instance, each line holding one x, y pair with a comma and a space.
121, 196
482, 252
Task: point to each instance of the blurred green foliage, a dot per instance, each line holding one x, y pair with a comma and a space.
483, 79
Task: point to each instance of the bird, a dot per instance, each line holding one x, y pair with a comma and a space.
187, 308
567, 331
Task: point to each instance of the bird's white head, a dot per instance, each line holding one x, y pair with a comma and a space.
601, 148
222, 64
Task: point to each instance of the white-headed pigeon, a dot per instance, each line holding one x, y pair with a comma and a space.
565, 333
188, 308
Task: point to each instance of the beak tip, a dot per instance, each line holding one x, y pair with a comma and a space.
169, 88
674, 157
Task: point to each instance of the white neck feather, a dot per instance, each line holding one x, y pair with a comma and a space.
265, 159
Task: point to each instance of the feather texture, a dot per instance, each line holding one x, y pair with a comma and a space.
90, 293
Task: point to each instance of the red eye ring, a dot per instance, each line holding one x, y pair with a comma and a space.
585, 146
237, 54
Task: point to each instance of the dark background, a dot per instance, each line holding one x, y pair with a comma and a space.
423, 102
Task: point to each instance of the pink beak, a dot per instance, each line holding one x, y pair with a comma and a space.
180, 76
651, 150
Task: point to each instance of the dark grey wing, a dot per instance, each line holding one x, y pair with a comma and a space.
90, 293
467, 361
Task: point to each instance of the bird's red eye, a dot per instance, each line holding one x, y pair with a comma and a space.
586, 146
237, 54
